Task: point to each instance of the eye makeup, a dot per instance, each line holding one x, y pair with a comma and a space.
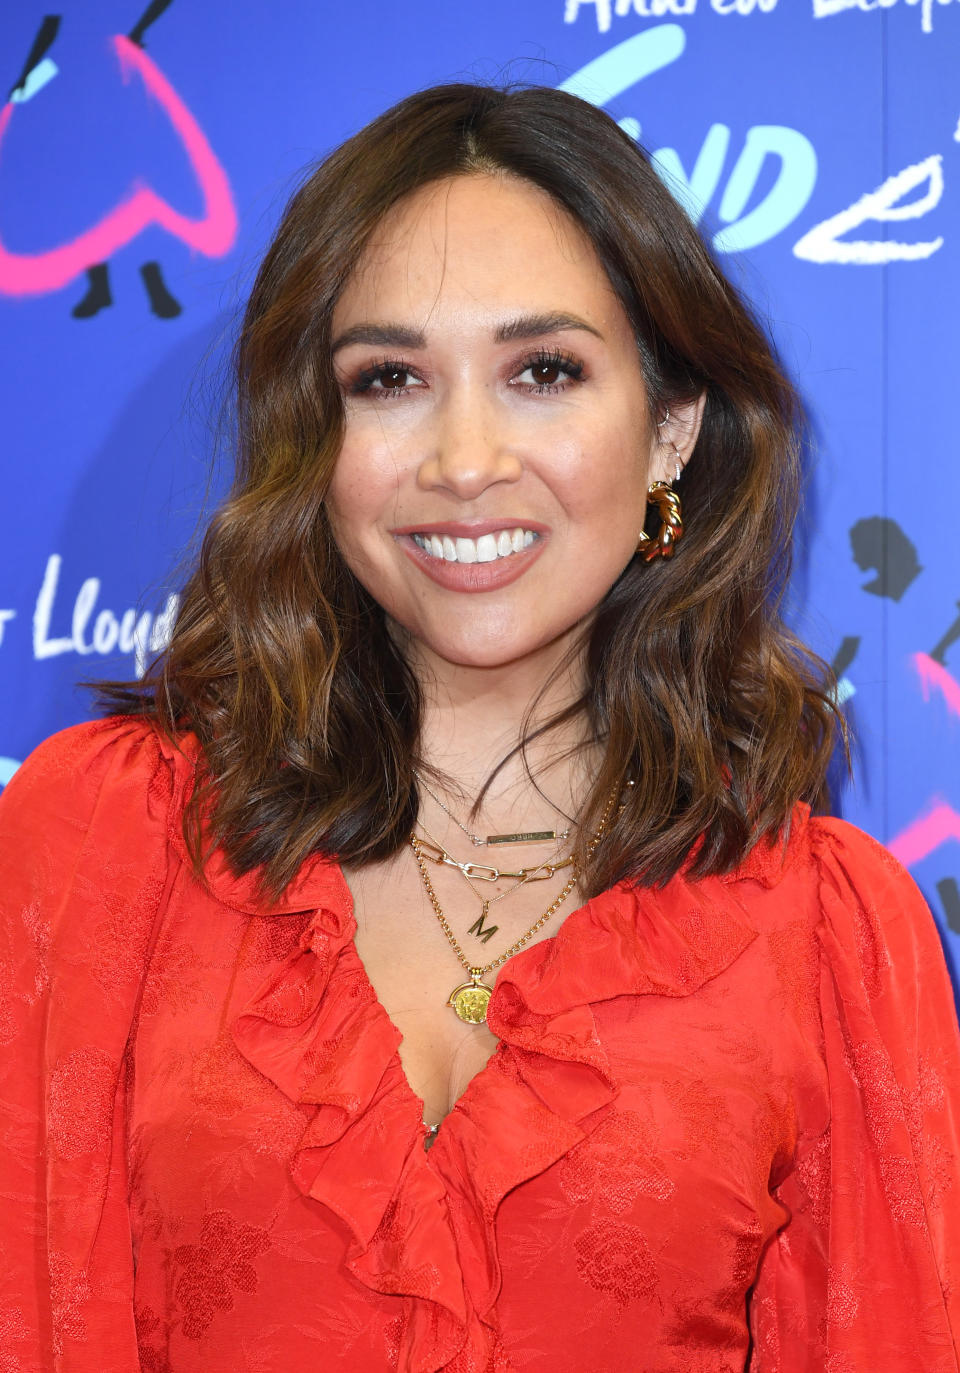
395, 369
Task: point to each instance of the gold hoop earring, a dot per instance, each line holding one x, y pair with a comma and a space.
670, 532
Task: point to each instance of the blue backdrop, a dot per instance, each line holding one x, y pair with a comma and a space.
145, 157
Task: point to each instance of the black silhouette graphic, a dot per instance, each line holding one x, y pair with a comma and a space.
46, 34
98, 295
845, 654
152, 12
880, 543
949, 895
939, 652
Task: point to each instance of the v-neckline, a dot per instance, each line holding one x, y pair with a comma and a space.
480, 1076
348, 911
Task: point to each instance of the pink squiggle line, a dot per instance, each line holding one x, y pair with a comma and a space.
933, 674
212, 234
925, 834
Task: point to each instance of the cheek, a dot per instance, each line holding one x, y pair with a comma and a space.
605, 481
362, 491
339, 507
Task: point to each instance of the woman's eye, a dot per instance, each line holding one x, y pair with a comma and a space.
394, 379
540, 375
388, 380
545, 373
550, 374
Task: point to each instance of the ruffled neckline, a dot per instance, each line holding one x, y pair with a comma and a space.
422, 1225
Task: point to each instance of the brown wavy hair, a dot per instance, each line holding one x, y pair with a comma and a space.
282, 664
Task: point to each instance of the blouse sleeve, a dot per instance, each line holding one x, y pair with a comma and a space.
83, 868
865, 1274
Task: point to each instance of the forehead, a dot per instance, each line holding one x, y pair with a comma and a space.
478, 243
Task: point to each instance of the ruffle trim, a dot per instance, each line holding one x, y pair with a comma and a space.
423, 1226
317, 1031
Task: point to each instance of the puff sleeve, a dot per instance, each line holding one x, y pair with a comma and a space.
865, 1275
83, 871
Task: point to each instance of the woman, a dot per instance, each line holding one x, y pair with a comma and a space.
480, 684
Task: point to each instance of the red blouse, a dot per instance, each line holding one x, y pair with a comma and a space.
721, 1130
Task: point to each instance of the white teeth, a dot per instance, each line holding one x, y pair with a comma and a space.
486, 549
466, 551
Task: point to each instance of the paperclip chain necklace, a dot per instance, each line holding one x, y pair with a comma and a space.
470, 999
464, 868
469, 874
485, 872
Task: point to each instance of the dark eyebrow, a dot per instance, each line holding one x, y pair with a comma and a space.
532, 326
399, 336
386, 335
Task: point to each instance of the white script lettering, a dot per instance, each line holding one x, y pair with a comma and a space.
822, 242
825, 9
643, 9
742, 6
140, 635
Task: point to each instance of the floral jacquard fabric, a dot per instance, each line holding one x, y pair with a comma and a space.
720, 1132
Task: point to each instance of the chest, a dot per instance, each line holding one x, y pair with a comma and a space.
406, 937
634, 1207
611, 1165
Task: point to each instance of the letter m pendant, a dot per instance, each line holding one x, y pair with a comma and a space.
478, 929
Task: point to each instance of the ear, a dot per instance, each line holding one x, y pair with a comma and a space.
676, 434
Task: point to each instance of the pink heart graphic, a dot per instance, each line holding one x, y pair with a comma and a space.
213, 234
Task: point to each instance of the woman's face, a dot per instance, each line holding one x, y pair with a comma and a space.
498, 448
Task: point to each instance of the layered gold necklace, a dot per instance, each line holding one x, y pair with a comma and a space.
479, 841
470, 999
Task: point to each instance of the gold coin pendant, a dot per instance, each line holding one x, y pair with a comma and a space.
469, 1000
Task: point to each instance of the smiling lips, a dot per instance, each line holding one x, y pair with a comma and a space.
486, 549
481, 557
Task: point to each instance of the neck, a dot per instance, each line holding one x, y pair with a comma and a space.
473, 717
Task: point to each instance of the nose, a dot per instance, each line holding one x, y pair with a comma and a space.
470, 447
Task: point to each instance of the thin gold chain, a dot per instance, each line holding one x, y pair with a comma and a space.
475, 839
478, 972
434, 852
452, 938
485, 901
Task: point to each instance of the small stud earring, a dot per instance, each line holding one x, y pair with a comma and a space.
678, 465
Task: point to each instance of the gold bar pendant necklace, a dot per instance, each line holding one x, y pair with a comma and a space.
525, 837
521, 837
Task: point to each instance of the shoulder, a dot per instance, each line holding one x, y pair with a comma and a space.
87, 848
873, 912
854, 868
842, 905
822, 868
75, 764
831, 837
96, 784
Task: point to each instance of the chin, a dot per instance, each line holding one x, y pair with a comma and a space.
491, 649
473, 656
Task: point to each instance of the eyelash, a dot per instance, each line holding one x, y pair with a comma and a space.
363, 383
